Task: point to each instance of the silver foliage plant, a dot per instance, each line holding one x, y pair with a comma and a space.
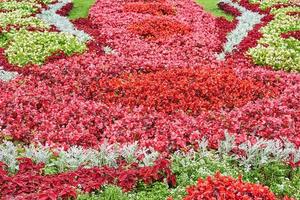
76, 156
226, 145
257, 154
38, 154
63, 24
264, 151
108, 50
106, 155
261, 152
9, 155
7, 76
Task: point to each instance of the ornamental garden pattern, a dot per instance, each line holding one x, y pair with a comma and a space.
149, 100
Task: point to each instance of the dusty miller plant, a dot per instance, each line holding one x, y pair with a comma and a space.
9, 155
226, 145
266, 151
38, 153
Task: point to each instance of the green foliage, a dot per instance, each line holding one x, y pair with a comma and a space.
156, 191
14, 5
279, 177
24, 47
27, 47
21, 18
81, 8
189, 167
3, 40
212, 7
107, 193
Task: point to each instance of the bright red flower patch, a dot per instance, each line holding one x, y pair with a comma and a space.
64, 11
191, 90
158, 28
227, 188
150, 8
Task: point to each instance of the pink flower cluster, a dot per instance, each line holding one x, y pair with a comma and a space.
196, 48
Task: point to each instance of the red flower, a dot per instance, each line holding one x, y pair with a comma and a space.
157, 28
150, 8
227, 188
190, 90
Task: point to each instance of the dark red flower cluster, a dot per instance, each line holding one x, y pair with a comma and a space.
297, 14
10, 27
150, 8
227, 188
30, 183
158, 28
191, 90
223, 25
229, 9
252, 38
94, 30
64, 11
255, 7
294, 34
3, 60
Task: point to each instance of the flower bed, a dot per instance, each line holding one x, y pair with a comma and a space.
190, 90
145, 108
274, 50
21, 25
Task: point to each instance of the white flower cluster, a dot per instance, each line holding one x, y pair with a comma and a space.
246, 22
62, 23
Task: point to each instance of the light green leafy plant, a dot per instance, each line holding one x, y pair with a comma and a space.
27, 47
272, 49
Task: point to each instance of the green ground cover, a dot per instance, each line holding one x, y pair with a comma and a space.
212, 7
81, 8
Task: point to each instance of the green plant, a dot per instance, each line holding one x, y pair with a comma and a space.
107, 193
81, 8
156, 191
272, 49
26, 47
212, 7
279, 177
